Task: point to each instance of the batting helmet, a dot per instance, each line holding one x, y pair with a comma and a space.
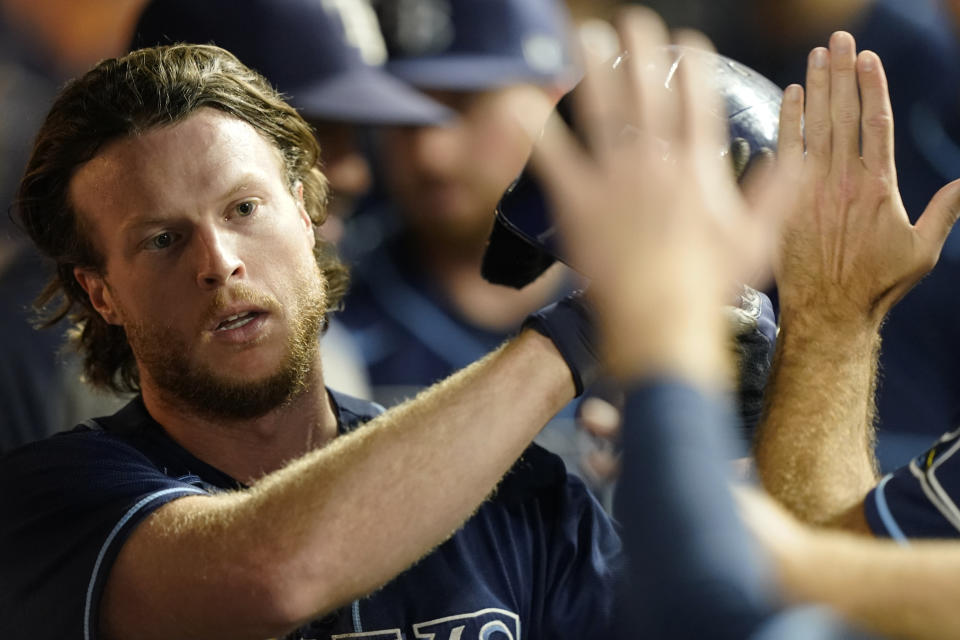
523, 241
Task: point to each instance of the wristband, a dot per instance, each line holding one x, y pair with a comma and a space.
569, 324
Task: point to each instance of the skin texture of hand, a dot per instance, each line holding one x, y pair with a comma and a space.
849, 250
848, 253
662, 240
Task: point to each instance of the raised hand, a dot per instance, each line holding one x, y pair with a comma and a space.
663, 240
849, 251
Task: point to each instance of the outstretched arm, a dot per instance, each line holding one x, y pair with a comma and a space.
340, 521
848, 254
663, 242
898, 591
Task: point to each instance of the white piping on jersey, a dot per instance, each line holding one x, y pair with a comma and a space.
883, 509
381, 635
494, 625
88, 605
355, 610
954, 513
931, 494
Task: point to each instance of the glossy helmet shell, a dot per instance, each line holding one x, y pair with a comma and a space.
523, 242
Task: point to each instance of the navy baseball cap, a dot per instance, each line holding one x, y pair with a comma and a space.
473, 45
321, 54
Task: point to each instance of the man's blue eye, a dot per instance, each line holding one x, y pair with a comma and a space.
246, 208
162, 240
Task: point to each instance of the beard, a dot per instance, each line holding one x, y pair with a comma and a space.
164, 355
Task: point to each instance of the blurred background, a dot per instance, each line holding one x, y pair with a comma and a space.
413, 202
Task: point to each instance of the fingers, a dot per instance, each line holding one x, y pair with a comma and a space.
600, 104
758, 173
939, 217
817, 122
558, 159
844, 98
877, 115
790, 140
600, 418
704, 125
645, 36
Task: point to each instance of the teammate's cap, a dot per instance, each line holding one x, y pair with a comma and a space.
475, 44
322, 54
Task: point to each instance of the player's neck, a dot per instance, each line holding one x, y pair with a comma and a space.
248, 449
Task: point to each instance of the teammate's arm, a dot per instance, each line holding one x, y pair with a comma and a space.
897, 591
848, 253
340, 521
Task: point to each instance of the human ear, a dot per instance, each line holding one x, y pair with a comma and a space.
98, 292
304, 216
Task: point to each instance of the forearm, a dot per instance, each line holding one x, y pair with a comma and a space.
691, 570
379, 500
899, 592
343, 520
814, 451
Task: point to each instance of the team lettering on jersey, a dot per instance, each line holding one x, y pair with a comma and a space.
486, 624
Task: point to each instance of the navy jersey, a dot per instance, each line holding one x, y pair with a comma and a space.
919, 500
692, 570
536, 560
408, 333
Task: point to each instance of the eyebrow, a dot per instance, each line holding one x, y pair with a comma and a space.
136, 222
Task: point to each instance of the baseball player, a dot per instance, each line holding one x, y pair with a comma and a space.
236, 496
676, 232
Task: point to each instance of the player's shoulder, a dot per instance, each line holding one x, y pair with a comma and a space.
352, 411
86, 441
94, 453
920, 500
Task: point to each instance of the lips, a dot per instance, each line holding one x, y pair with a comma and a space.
237, 320
239, 328
235, 316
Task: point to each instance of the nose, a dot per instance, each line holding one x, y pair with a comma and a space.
348, 173
435, 149
218, 259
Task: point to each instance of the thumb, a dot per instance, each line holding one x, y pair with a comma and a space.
940, 215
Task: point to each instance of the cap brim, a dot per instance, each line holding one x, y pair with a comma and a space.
368, 96
467, 73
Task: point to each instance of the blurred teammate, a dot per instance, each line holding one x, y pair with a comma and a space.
41, 44
329, 67
847, 253
676, 232
419, 306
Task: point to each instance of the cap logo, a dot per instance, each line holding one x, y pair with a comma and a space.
418, 27
543, 53
360, 28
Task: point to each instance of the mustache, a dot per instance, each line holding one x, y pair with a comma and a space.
239, 293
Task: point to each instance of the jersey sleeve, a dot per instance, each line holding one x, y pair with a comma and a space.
919, 499
67, 505
691, 570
